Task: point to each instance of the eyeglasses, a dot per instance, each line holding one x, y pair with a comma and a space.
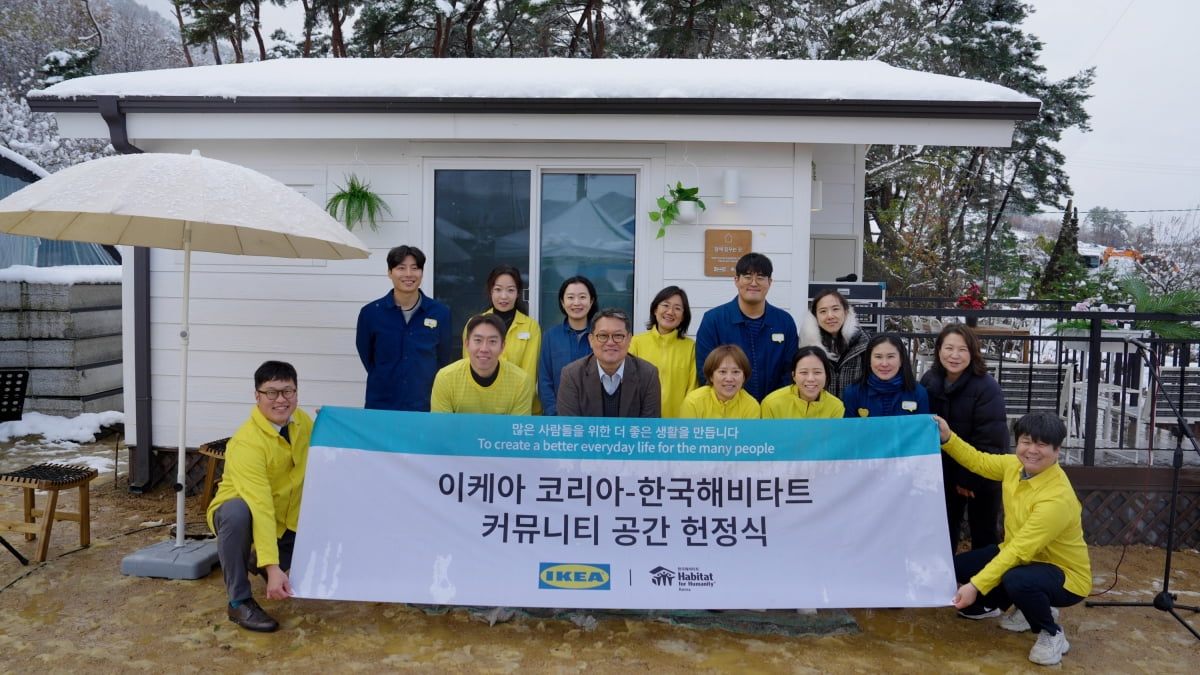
272, 394
617, 338
754, 278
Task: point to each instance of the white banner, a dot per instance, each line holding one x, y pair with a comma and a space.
622, 513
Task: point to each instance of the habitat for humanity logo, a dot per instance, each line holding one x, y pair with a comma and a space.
683, 578
574, 576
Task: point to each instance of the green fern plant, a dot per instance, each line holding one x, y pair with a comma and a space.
668, 209
1183, 301
355, 203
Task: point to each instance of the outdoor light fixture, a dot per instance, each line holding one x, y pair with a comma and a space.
815, 199
730, 194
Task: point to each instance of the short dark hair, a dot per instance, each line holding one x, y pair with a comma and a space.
812, 350
275, 370
499, 271
1041, 427
399, 253
613, 313
490, 319
662, 296
754, 263
978, 367
718, 354
906, 369
591, 288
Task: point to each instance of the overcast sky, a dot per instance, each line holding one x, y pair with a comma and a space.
1142, 155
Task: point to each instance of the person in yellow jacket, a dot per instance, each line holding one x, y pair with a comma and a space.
523, 336
807, 397
258, 501
667, 346
1043, 563
483, 382
726, 369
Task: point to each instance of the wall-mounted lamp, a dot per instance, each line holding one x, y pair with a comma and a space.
815, 198
731, 192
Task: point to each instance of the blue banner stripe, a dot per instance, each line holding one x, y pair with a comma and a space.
578, 438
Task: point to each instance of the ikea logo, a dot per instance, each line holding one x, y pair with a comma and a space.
574, 576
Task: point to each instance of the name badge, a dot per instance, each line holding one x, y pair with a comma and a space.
863, 412
776, 337
523, 336
910, 406
431, 323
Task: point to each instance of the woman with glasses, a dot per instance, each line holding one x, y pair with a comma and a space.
568, 341
523, 336
668, 347
887, 385
832, 325
807, 397
962, 393
726, 370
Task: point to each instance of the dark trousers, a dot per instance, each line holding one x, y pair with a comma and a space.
1033, 588
983, 515
233, 522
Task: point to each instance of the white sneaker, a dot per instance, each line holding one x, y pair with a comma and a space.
1016, 621
1049, 649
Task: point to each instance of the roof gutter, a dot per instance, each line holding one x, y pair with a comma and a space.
139, 464
759, 107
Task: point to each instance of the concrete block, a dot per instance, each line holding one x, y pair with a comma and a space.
75, 382
59, 325
57, 297
74, 407
59, 353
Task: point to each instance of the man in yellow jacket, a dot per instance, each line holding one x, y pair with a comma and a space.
1042, 564
258, 501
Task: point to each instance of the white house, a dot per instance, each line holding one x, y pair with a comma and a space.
548, 164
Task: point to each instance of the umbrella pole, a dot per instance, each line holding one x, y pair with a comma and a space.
181, 474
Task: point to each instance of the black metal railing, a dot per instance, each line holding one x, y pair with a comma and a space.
1094, 378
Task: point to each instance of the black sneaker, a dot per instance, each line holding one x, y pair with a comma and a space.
977, 612
250, 616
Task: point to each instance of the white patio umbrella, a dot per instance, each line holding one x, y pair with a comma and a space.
181, 202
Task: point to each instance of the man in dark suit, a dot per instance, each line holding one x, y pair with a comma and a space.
610, 382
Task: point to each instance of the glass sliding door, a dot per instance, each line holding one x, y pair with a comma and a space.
587, 228
481, 219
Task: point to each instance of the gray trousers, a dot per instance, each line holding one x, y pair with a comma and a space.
232, 521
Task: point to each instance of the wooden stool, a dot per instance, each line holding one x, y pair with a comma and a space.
50, 478
215, 451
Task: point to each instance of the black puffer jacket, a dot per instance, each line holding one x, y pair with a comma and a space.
973, 406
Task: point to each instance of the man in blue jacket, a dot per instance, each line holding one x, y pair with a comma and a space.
766, 333
404, 338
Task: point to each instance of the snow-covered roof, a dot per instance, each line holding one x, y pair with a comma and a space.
868, 88
23, 162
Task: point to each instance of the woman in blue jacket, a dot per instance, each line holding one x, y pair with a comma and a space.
961, 391
568, 341
887, 385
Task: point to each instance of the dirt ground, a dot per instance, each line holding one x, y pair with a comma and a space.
77, 613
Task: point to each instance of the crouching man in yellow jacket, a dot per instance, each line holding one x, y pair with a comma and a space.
1042, 564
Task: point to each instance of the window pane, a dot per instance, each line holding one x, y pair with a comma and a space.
480, 220
587, 229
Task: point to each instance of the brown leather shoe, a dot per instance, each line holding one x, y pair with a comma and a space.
250, 616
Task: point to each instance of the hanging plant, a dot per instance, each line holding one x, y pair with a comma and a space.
355, 203
668, 209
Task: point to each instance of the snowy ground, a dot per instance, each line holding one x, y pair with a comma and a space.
46, 438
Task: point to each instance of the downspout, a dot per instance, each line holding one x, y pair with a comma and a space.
139, 463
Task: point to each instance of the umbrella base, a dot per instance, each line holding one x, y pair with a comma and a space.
165, 560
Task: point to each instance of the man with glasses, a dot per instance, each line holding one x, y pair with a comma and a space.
610, 382
766, 333
258, 501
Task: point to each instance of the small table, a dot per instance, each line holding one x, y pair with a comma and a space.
988, 329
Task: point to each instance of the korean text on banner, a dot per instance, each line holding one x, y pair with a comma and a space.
622, 513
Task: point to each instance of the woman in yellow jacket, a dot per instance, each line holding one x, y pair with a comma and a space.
668, 347
727, 368
807, 397
523, 341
